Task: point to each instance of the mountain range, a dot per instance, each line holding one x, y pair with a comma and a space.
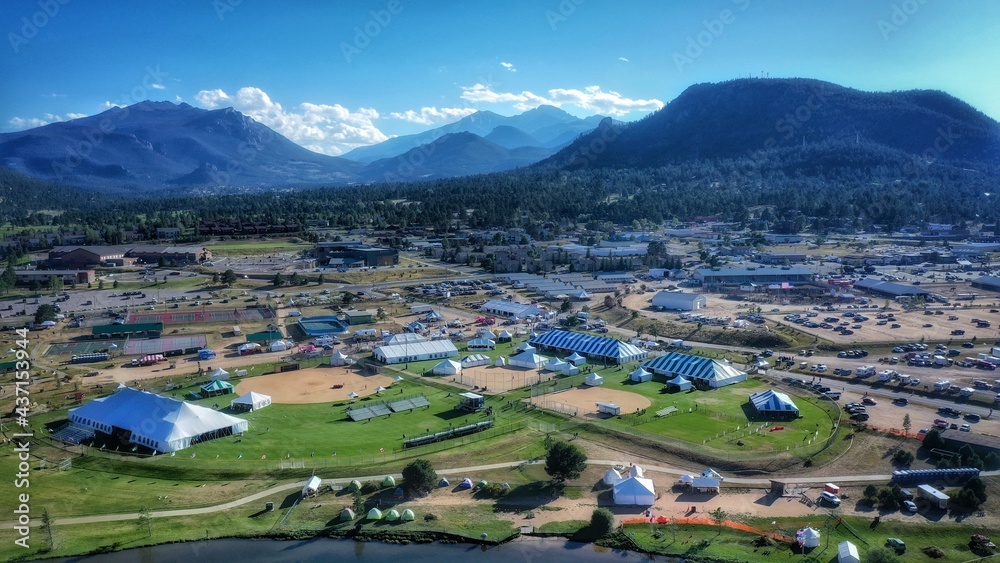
164, 146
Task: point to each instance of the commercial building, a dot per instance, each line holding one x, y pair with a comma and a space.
67, 276
354, 254
888, 289
715, 277
125, 255
680, 301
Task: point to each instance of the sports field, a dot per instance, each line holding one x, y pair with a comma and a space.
82, 347
165, 344
217, 316
585, 398
316, 385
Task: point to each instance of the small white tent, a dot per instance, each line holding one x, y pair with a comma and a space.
576, 359
279, 346
250, 402
555, 364
612, 476
635, 471
339, 359
634, 491
219, 373
312, 486
808, 537
500, 361
847, 552
594, 380
447, 367
640, 375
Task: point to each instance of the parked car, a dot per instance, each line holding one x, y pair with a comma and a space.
909, 505
896, 543
830, 498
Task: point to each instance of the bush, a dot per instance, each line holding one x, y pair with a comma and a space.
419, 476
902, 457
602, 522
430, 516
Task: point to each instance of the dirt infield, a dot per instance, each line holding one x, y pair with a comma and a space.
314, 385
497, 379
585, 397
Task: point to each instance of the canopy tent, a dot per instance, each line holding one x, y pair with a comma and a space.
374, 514
447, 367
555, 364
612, 476
465, 484
473, 360
379, 389
640, 375
772, 401
392, 515
500, 361
576, 359
217, 387
251, 401
346, 514
279, 346
407, 516
705, 371
482, 344
634, 491
807, 537
219, 373
847, 552
505, 336
528, 359
526, 348
678, 383
594, 380
389, 481
485, 334
433, 316
248, 348
157, 422
339, 359
353, 395
48, 323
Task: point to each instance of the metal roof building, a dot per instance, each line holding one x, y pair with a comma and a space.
888, 288
719, 276
597, 348
991, 283
705, 371
510, 309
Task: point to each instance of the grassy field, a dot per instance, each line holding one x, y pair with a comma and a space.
257, 247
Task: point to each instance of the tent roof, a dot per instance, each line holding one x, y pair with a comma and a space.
639, 371
679, 380
218, 372
574, 357
217, 385
772, 400
595, 346
634, 486
252, 398
692, 367
176, 420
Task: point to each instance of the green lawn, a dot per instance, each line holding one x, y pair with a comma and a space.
256, 248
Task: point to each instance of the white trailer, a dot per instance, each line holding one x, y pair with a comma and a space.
934, 496
609, 408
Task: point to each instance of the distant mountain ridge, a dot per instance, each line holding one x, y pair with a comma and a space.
748, 117
546, 126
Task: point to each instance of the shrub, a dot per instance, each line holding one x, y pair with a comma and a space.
602, 522
902, 457
430, 516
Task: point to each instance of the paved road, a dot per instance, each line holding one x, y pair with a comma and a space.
454, 471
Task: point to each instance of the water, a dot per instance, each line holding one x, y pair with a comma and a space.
526, 550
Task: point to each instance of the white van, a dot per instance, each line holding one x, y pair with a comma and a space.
295, 313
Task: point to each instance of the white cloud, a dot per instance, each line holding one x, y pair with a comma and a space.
623, 59
591, 98
328, 129
22, 123
431, 115
509, 66
157, 86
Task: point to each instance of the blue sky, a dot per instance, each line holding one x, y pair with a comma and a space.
335, 75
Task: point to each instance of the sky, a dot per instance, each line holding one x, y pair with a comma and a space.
332, 76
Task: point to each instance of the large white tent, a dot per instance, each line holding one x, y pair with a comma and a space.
528, 359
447, 367
155, 421
474, 360
251, 401
634, 491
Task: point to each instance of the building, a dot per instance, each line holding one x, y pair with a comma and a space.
598, 349
888, 289
510, 309
360, 317
162, 424
148, 330
704, 372
989, 283
779, 258
415, 351
715, 277
354, 254
67, 276
168, 232
679, 301
125, 255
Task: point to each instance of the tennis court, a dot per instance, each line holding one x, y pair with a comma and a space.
229, 316
82, 347
166, 345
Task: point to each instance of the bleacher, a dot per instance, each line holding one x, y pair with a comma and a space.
409, 403
359, 414
666, 411
73, 434
385, 409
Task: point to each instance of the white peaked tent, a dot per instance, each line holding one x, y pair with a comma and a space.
486, 334
501, 361
555, 364
711, 474
594, 380
505, 337
847, 552
634, 491
528, 359
248, 348
808, 537
640, 375
353, 395
635, 471
251, 401
279, 346
473, 360
447, 367
219, 373
681, 383
612, 476
339, 359
526, 348
312, 486
576, 359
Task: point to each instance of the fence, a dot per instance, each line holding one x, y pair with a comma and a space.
556, 406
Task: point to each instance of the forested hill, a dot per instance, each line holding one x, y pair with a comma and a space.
747, 117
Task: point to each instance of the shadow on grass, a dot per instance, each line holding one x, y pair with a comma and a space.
290, 499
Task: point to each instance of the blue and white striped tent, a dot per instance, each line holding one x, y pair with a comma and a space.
703, 370
773, 401
593, 347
